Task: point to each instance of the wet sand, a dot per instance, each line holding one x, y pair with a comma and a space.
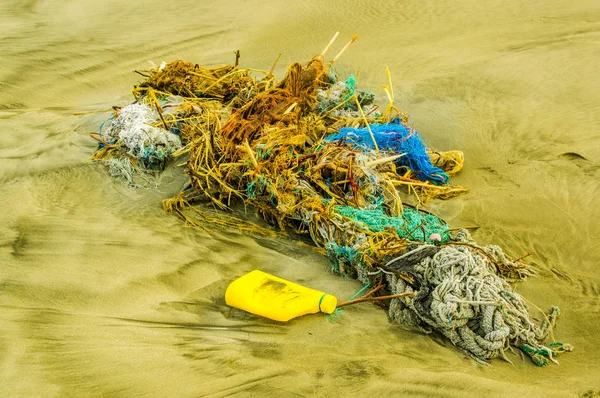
102, 293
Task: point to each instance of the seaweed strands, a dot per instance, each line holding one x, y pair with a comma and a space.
227, 83
171, 106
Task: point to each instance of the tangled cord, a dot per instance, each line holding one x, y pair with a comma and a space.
457, 289
460, 295
133, 130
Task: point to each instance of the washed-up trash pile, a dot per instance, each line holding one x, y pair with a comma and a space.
314, 154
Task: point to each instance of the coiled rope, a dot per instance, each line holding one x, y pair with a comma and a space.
460, 295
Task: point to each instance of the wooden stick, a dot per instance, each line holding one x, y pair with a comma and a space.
366, 122
379, 298
384, 160
143, 74
290, 108
336, 107
274, 63
389, 76
160, 114
251, 153
415, 228
322, 55
158, 109
467, 227
372, 292
419, 184
523, 256
344, 49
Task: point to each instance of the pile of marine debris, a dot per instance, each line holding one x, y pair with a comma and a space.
314, 154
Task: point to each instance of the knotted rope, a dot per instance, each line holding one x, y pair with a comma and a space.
461, 296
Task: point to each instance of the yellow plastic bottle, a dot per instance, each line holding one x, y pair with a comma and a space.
266, 295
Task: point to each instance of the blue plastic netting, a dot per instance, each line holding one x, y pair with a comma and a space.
399, 139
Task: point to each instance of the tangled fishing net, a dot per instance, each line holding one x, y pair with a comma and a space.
132, 128
335, 99
395, 138
314, 155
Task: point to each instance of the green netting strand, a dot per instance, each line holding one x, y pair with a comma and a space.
412, 224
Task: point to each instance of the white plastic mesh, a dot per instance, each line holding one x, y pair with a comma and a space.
132, 129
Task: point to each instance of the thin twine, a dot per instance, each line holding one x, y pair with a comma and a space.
361, 291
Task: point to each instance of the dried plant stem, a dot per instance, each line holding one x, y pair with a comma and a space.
344, 49
418, 184
366, 122
467, 227
384, 160
274, 64
322, 55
